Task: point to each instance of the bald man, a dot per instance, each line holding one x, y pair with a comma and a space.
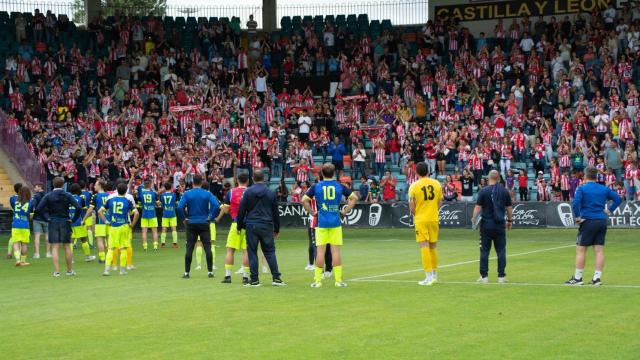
494, 202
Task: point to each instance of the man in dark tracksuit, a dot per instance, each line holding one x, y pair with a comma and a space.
258, 214
55, 205
494, 202
195, 207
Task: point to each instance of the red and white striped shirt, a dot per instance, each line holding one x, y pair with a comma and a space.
564, 182
302, 173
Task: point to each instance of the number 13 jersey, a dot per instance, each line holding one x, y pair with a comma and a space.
426, 193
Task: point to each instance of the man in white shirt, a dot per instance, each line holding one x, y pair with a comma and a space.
304, 126
526, 44
609, 17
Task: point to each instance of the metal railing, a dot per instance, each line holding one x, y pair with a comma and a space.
16, 149
400, 12
407, 12
56, 7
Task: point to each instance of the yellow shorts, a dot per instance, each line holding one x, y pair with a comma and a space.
235, 240
79, 232
331, 236
427, 231
119, 237
212, 230
149, 223
100, 230
169, 222
89, 221
21, 235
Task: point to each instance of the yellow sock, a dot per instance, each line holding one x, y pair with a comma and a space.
116, 256
426, 259
123, 259
198, 255
213, 252
337, 273
434, 259
144, 245
16, 255
101, 255
90, 236
318, 274
155, 245
85, 249
174, 234
109, 258
10, 246
23, 258
130, 255
163, 237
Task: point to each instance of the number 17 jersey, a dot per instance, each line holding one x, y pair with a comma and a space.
426, 193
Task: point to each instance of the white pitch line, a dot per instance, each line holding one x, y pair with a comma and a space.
460, 263
505, 284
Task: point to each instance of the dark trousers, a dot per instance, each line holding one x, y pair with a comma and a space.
263, 236
328, 266
195, 231
524, 194
495, 236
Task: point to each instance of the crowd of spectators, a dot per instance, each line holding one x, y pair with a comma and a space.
555, 95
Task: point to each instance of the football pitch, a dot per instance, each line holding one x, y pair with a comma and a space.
383, 314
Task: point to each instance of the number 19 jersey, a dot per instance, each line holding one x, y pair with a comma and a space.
426, 193
328, 195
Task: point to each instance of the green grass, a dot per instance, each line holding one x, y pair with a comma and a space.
153, 314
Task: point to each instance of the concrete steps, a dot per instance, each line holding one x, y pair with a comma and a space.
6, 188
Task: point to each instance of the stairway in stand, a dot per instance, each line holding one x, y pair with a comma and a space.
6, 188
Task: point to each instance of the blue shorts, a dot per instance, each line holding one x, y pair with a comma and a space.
592, 232
59, 231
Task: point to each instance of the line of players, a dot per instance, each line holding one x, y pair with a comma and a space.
109, 214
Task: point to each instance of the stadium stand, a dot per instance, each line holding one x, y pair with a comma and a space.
166, 98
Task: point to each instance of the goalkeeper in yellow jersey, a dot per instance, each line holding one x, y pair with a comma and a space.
425, 197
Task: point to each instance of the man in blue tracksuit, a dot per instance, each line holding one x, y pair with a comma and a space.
258, 214
590, 211
194, 208
337, 151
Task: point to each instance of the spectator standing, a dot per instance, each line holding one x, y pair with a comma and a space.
337, 151
388, 184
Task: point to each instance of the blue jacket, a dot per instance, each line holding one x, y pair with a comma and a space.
37, 197
55, 205
259, 206
197, 201
591, 199
337, 151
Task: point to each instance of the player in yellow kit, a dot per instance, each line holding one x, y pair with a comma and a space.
425, 197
